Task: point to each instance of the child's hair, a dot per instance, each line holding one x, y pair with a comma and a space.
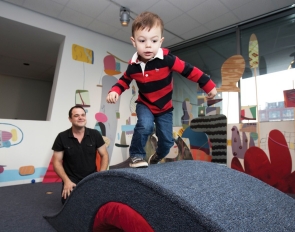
147, 20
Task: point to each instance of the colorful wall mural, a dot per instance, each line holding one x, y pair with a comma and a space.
201, 131
11, 135
273, 162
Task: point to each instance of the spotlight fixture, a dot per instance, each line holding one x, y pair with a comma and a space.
124, 16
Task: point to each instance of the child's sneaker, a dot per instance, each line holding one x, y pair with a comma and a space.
154, 159
138, 163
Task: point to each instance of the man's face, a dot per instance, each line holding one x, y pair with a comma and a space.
78, 118
147, 42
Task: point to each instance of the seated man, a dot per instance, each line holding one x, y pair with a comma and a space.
75, 149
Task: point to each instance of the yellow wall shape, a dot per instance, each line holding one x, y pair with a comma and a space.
82, 54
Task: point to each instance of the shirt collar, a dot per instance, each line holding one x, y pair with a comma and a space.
159, 55
71, 132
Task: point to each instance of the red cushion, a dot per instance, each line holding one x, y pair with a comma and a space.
115, 217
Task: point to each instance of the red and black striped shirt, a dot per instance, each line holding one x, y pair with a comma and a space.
155, 83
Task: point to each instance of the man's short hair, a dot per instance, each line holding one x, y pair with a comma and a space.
70, 112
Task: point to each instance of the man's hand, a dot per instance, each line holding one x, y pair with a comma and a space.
58, 168
68, 188
212, 94
112, 97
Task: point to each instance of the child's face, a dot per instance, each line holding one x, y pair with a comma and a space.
147, 42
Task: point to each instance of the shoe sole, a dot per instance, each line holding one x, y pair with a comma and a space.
139, 165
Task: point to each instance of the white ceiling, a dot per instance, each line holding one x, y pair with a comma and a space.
183, 20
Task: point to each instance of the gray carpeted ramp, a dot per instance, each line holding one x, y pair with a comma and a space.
181, 196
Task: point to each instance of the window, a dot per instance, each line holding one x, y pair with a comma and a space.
274, 74
262, 86
209, 57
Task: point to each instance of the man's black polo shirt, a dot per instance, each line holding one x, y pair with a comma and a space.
79, 159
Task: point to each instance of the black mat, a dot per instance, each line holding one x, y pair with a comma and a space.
181, 196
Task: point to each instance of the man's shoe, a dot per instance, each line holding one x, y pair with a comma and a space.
154, 159
138, 163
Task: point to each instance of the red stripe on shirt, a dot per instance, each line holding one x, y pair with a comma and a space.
160, 93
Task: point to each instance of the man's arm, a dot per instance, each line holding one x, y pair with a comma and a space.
104, 162
58, 168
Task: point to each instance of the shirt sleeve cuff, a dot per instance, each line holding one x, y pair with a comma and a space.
116, 89
209, 86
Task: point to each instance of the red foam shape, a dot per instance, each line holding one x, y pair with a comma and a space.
118, 217
276, 171
257, 164
236, 164
279, 153
290, 180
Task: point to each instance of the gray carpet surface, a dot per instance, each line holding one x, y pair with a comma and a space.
22, 207
181, 196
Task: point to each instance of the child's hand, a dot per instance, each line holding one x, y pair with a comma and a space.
112, 97
212, 93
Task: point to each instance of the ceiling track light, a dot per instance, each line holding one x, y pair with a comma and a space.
124, 16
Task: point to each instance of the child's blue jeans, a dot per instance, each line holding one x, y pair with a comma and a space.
145, 126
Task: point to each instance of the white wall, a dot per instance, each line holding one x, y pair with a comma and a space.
33, 141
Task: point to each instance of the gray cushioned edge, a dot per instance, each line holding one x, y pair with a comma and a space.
181, 196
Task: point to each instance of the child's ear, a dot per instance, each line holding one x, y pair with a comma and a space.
133, 41
162, 39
